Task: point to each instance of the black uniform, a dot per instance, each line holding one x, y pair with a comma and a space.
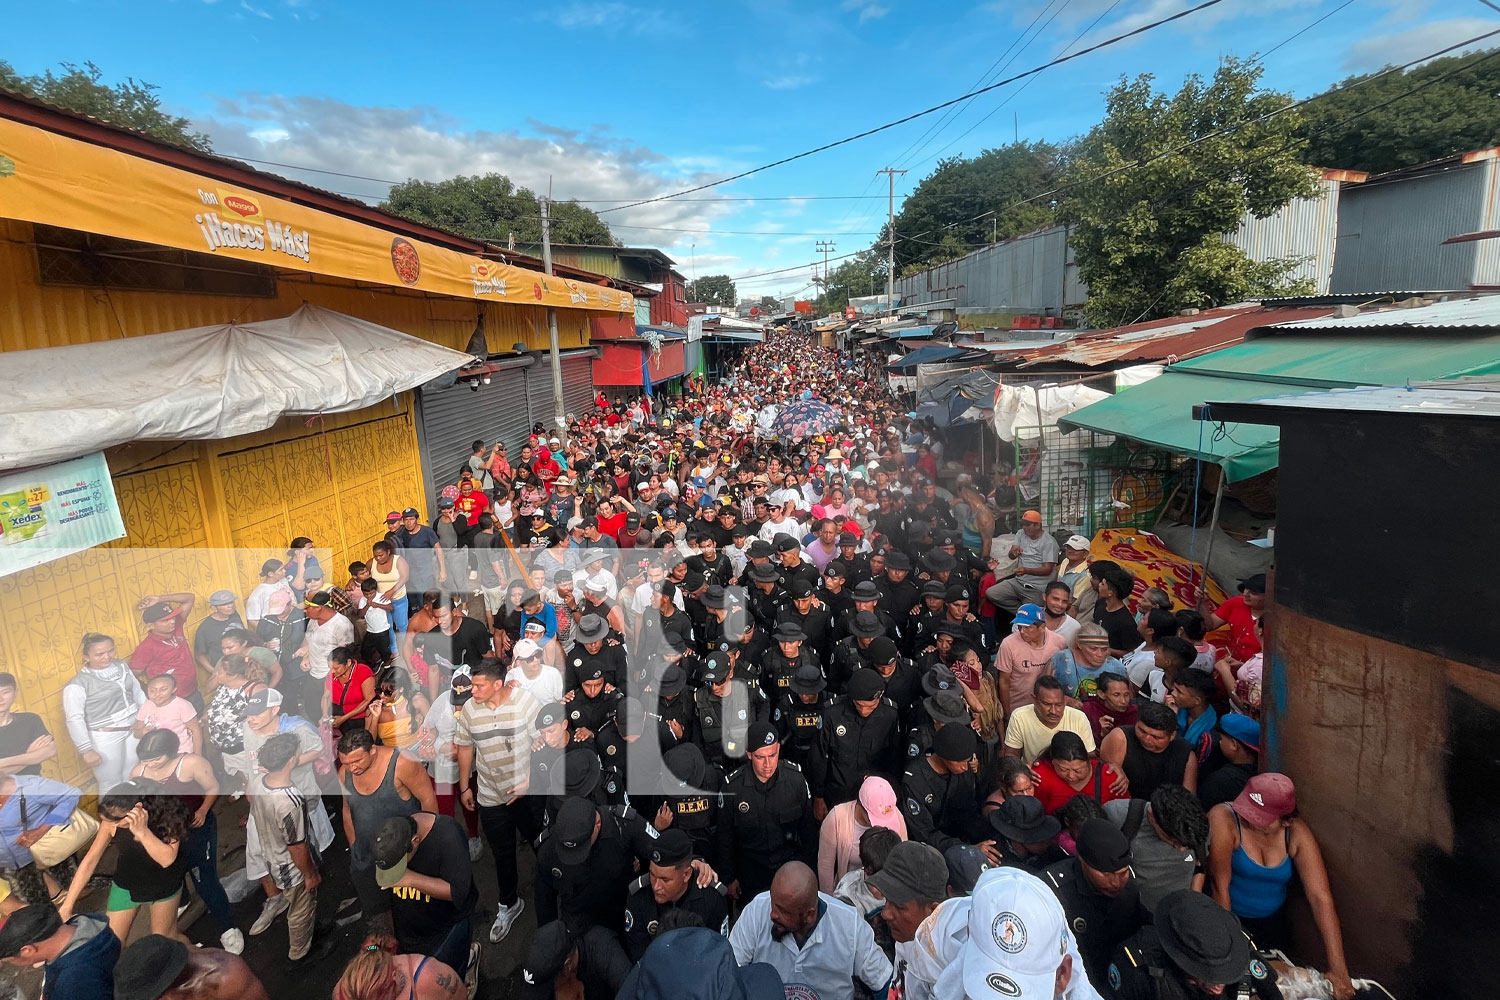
801, 729
854, 747
921, 630
722, 728
643, 913
776, 670
899, 598
1099, 922
816, 625
611, 659
886, 619
720, 571
1140, 970
802, 571
764, 607
838, 604
592, 713
903, 688
680, 711
848, 656
764, 826
591, 893
942, 810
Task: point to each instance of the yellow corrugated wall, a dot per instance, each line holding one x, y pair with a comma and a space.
331, 478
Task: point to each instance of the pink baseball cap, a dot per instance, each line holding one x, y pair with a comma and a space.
879, 800
1266, 799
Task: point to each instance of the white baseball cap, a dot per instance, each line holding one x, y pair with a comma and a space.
526, 649
1077, 542
1018, 936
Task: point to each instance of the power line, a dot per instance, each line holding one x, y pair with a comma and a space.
926, 111
751, 232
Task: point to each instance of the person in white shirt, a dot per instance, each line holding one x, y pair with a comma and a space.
810, 937
272, 579
781, 522
99, 706
542, 682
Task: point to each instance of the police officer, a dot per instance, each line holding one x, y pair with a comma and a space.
899, 593
926, 616
613, 741
583, 867
1027, 835
781, 664
903, 685
942, 807
860, 738
668, 886
765, 598
802, 609
592, 704
833, 594
866, 597
591, 647
856, 564
714, 565
790, 565
547, 751
759, 553
1194, 943
945, 708
768, 817
673, 709
725, 706
694, 809
798, 717
1098, 893
852, 652
958, 599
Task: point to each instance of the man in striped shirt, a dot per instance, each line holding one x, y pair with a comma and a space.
493, 737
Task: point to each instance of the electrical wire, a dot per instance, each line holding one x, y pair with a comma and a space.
925, 111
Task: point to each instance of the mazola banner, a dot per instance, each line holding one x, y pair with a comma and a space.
58, 181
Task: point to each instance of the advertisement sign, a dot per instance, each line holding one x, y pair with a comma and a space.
849, 313
55, 510
57, 181
802, 307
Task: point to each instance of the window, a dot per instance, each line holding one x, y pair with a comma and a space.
71, 257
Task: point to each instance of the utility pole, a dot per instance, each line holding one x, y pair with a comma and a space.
559, 415
825, 247
890, 267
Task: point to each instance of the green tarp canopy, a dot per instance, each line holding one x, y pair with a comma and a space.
1273, 363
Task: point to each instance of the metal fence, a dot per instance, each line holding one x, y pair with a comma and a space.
1084, 481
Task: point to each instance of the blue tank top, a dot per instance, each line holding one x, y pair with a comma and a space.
1255, 891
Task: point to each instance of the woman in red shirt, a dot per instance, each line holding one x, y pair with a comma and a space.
1066, 770
351, 688
1240, 614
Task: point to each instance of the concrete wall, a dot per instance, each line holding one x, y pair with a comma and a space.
1376, 737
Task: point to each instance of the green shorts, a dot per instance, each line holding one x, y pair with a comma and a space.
119, 899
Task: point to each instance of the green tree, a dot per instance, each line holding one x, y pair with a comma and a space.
493, 208
770, 303
130, 104
860, 275
1450, 114
1148, 239
969, 202
712, 289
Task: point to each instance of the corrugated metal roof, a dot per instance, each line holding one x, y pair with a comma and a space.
1476, 311
1179, 336
1467, 402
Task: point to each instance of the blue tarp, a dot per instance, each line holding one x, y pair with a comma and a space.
666, 332
927, 354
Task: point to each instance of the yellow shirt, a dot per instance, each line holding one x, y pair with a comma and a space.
1027, 734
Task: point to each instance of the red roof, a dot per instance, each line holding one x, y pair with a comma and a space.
1172, 337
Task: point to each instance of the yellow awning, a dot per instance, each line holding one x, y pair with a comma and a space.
59, 181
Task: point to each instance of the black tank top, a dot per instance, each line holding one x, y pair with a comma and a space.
174, 784
1148, 771
138, 873
369, 811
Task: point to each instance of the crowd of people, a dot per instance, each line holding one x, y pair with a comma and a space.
771, 711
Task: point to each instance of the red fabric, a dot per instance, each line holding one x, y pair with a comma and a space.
612, 525
472, 506
355, 689
1054, 793
174, 655
1242, 641
1095, 710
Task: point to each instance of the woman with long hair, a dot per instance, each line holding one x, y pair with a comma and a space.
391, 572
1003, 778
379, 973
148, 829
396, 714
240, 642
191, 777
99, 707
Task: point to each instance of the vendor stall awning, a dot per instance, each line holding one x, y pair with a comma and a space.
206, 383
1160, 412
932, 354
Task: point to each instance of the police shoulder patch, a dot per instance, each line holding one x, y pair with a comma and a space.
629, 921
1258, 968
913, 806
911, 751
1114, 977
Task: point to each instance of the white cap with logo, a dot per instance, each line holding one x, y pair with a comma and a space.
1018, 936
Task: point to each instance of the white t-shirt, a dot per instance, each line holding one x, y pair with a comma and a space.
324, 639
376, 619
546, 687
256, 605
1069, 627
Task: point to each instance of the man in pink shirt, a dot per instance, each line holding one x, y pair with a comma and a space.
165, 648
1025, 655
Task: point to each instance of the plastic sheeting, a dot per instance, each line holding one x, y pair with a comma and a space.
1135, 375
206, 383
1023, 409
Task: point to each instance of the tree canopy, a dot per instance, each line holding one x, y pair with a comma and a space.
862, 274
493, 208
969, 202
1148, 239
713, 289
1365, 128
129, 104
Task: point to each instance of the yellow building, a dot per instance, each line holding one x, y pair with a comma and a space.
108, 235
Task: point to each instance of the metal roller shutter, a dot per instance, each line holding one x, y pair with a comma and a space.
449, 420
578, 385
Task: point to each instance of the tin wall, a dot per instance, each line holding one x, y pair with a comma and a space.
1307, 228
1391, 232
1024, 274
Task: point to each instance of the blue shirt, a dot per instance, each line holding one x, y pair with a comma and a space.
1079, 681
547, 616
44, 802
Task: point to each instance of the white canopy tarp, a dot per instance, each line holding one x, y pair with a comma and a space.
206, 383
1135, 375
1022, 409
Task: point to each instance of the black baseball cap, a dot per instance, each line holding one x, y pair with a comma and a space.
574, 829
672, 848
392, 849
761, 734
957, 743
1102, 846
866, 685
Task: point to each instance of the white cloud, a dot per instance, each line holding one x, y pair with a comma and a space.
869, 10
1414, 41
611, 15
591, 164
258, 12
790, 82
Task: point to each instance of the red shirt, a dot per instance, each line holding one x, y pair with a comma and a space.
471, 506
1054, 793
170, 655
612, 525
1236, 614
1095, 710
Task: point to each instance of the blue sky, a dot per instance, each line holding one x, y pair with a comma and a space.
620, 100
